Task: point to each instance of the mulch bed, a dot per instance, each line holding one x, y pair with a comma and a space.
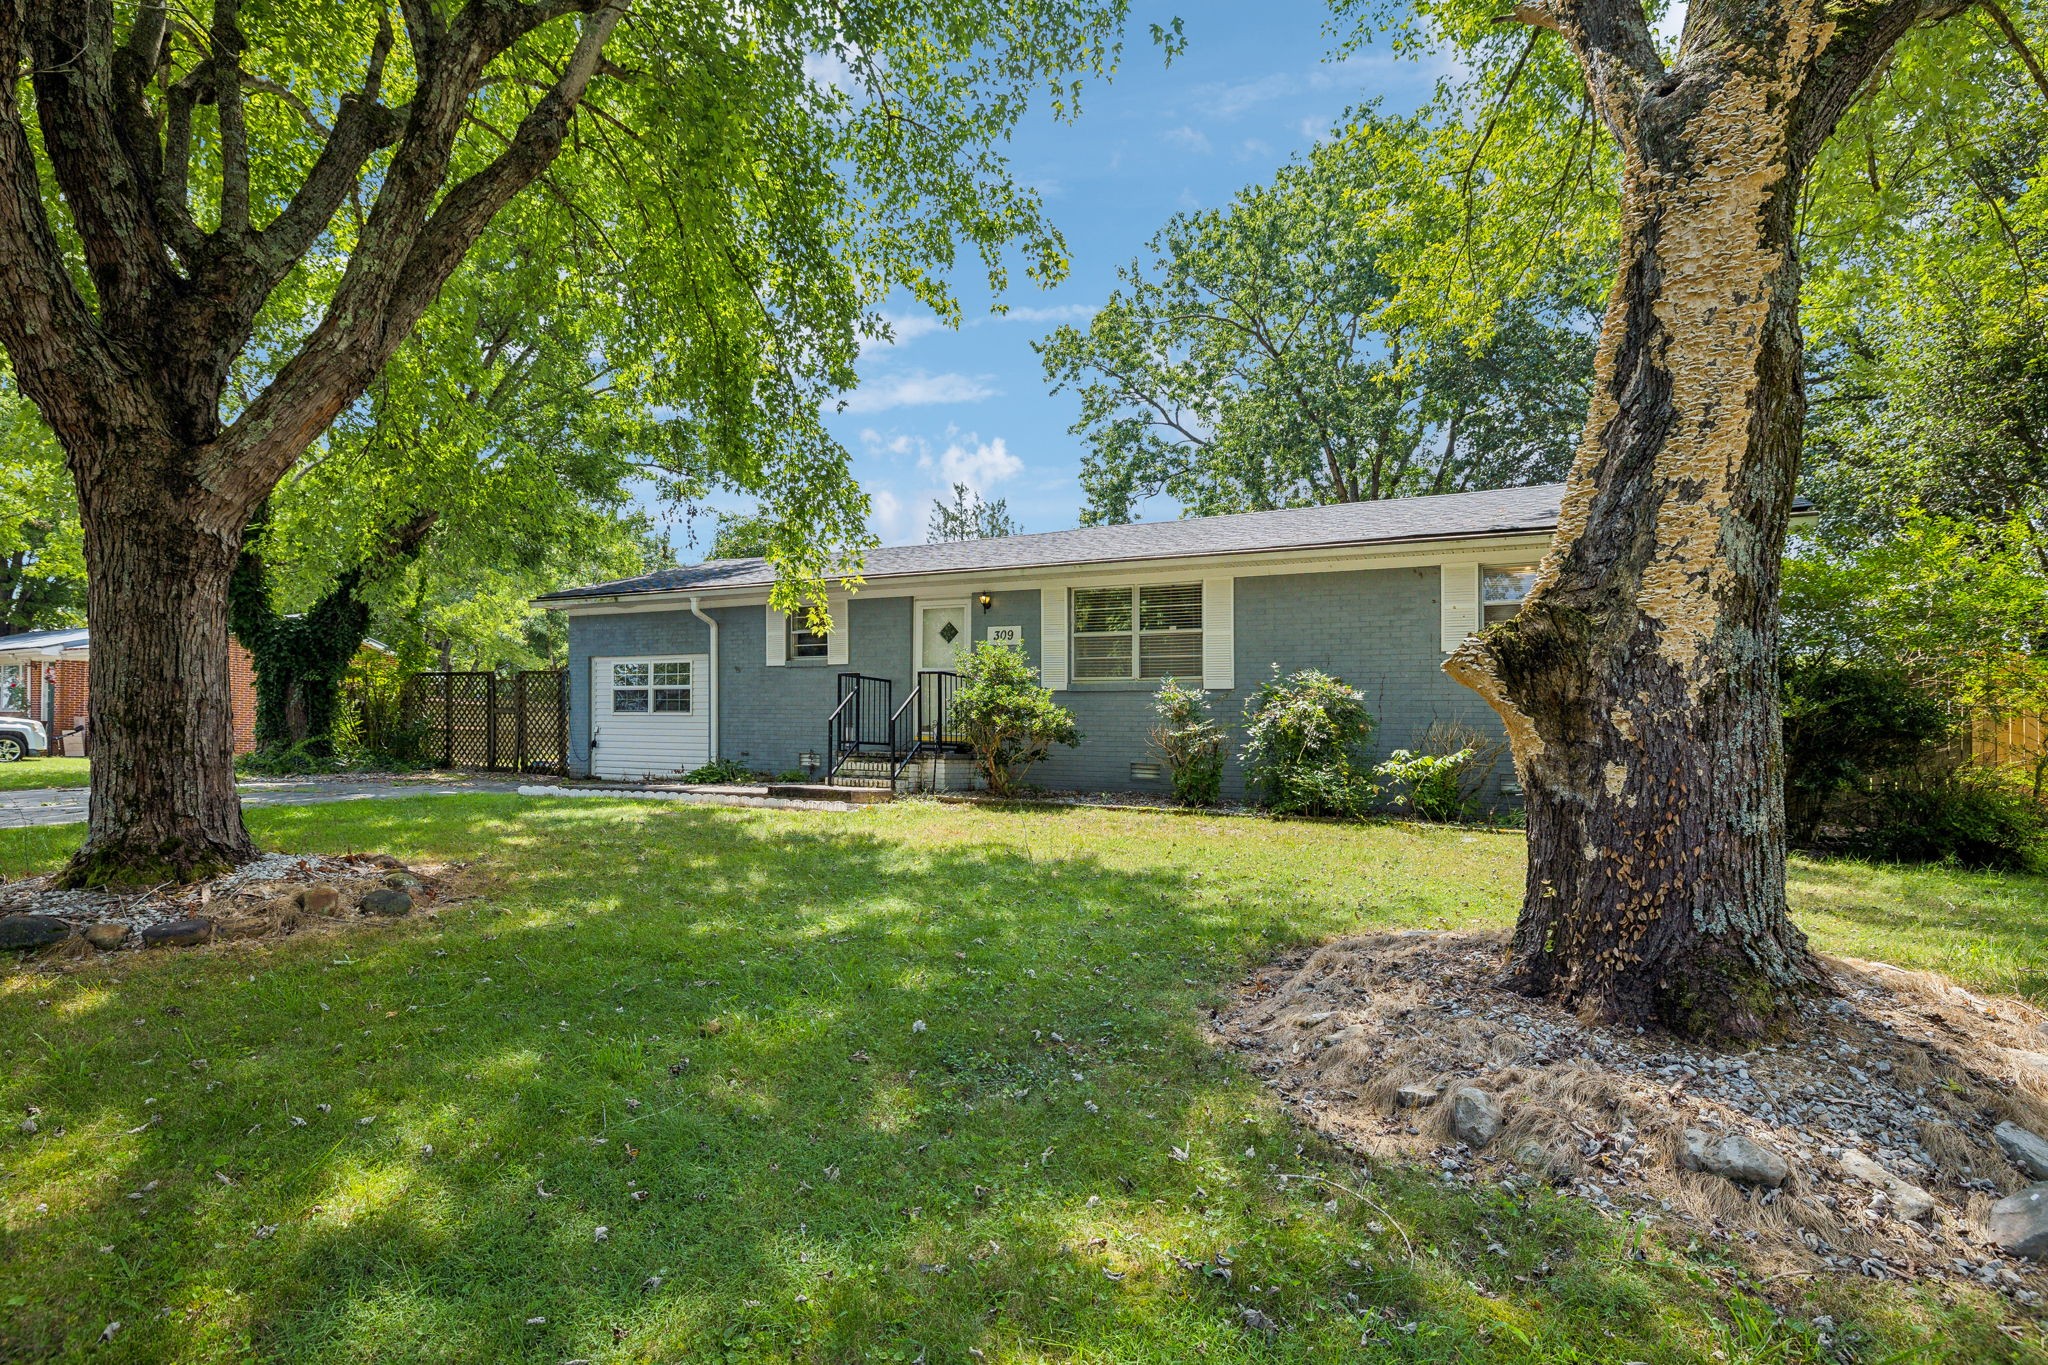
276, 895
1906, 1070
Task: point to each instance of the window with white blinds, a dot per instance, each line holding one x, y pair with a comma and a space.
1153, 631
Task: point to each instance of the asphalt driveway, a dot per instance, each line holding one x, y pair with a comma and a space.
67, 805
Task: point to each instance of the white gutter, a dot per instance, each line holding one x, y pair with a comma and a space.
712, 626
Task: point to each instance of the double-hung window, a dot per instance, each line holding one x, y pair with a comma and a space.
1502, 588
640, 688
805, 643
1148, 631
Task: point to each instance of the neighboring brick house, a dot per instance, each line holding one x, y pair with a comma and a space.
673, 669
44, 674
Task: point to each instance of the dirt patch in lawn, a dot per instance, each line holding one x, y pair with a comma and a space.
277, 895
1882, 1114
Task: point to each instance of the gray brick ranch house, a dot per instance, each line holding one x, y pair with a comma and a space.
675, 668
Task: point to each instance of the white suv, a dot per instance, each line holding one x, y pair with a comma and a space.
21, 737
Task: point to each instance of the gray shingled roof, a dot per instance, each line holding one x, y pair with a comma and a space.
1450, 516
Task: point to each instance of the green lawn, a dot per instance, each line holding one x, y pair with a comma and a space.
717, 1008
45, 772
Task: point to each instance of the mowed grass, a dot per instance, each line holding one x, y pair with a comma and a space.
719, 1009
29, 773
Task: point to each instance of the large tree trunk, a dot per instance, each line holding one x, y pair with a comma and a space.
1638, 683
164, 806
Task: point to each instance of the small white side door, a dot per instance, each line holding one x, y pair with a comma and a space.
650, 715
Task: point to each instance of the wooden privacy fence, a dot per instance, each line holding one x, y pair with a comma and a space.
2010, 739
480, 720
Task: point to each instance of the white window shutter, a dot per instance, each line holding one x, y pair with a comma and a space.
1219, 634
1052, 638
778, 638
837, 643
1460, 603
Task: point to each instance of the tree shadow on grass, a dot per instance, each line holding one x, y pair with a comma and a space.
831, 1092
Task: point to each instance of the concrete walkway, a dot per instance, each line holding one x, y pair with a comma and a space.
67, 805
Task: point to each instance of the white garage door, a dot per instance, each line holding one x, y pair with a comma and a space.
650, 715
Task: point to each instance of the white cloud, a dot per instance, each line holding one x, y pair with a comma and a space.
1187, 139
1058, 312
917, 389
978, 464
904, 328
885, 515
1254, 149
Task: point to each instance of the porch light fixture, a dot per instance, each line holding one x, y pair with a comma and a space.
986, 601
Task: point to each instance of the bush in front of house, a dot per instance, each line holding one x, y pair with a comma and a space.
1306, 736
1946, 810
1431, 785
1007, 717
723, 772
1846, 726
1189, 739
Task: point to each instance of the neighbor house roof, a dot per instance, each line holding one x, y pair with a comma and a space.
48, 644
43, 644
1449, 516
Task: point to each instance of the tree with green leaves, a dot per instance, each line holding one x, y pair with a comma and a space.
42, 558
219, 224
741, 535
969, 517
1266, 359
1638, 682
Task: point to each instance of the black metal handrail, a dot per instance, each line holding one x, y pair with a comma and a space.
932, 726
862, 722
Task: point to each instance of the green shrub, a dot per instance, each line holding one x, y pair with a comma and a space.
1951, 812
1008, 719
792, 775
721, 772
1191, 742
1305, 745
1432, 785
1845, 725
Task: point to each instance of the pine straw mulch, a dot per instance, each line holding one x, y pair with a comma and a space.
276, 896
1905, 1067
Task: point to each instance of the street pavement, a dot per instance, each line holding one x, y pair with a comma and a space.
67, 805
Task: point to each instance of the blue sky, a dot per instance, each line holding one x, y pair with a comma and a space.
1255, 87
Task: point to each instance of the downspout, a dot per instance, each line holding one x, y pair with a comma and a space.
712, 626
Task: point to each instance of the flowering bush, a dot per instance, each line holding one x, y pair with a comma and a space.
1191, 741
1305, 742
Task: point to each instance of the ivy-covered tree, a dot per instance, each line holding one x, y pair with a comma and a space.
1266, 359
219, 223
300, 658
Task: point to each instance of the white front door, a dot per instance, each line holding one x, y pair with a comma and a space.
941, 635
650, 715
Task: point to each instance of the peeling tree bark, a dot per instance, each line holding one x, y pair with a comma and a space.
1638, 682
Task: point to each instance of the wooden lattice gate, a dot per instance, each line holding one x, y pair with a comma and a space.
480, 720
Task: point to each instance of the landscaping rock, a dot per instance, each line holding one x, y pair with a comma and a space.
2032, 1066
178, 933
387, 901
1475, 1116
2019, 1223
106, 935
2028, 1151
23, 932
385, 860
318, 899
1415, 1096
250, 927
402, 881
1732, 1157
1908, 1200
